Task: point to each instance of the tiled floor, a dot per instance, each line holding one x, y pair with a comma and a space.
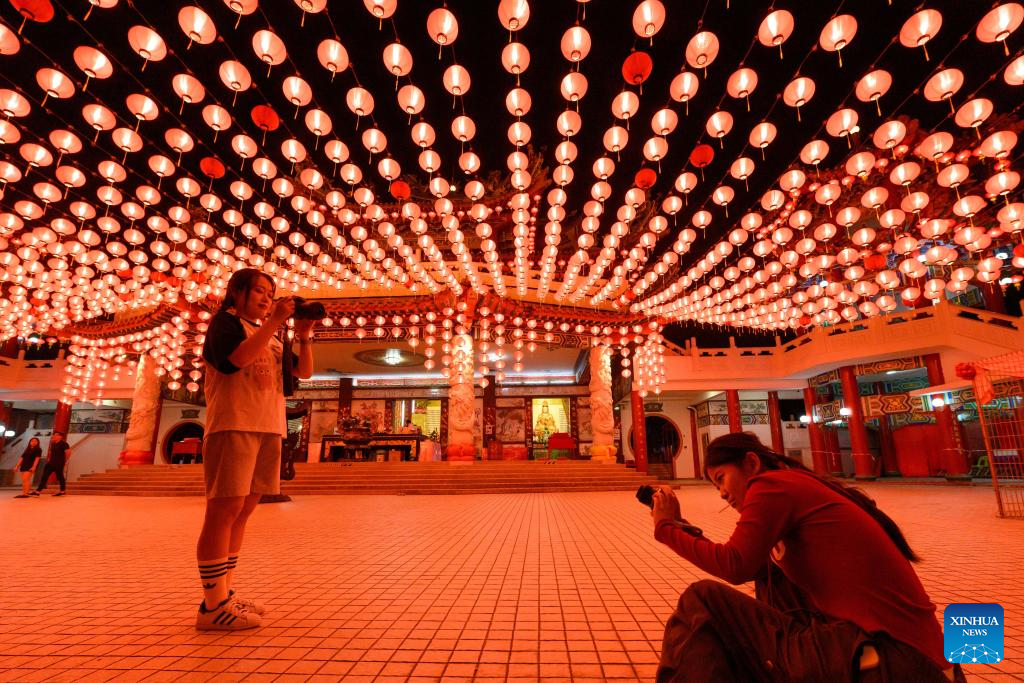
500, 587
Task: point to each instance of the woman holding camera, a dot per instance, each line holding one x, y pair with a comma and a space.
837, 596
245, 423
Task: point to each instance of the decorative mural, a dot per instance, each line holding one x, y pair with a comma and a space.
511, 419
907, 363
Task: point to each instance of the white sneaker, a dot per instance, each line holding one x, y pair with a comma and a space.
247, 603
227, 616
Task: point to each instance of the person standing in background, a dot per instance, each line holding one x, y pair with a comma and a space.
27, 466
56, 461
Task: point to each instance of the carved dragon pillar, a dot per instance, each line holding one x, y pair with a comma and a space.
601, 418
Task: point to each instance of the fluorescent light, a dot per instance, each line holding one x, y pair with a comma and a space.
805, 419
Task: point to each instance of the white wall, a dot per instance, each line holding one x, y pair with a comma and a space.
676, 411
92, 453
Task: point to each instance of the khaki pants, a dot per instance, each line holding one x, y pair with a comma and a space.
26, 481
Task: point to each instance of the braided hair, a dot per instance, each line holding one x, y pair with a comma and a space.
733, 448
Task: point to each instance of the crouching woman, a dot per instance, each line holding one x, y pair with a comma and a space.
837, 596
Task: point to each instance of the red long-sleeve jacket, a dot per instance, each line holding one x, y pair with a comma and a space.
828, 546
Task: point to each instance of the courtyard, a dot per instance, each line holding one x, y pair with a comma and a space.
559, 586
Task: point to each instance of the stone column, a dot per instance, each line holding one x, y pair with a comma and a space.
775, 422
732, 399
139, 441
461, 401
636, 405
953, 459
602, 419
819, 458
863, 463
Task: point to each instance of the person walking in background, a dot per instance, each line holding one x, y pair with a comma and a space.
27, 466
56, 461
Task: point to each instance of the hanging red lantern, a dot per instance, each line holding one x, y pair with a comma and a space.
702, 155
645, 178
400, 190
637, 68
805, 320
36, 10
966, 370
265, 117
875, 262
1018, 251
212, 167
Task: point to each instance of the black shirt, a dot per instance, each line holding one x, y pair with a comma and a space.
29, 458
226, 333
58, 452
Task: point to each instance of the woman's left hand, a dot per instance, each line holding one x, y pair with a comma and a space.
303, 328
666, 506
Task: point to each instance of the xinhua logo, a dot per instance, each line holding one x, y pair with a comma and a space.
973, 632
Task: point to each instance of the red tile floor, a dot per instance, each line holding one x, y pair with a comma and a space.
499, 587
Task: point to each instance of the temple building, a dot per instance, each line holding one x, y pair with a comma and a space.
521, 287
559, 246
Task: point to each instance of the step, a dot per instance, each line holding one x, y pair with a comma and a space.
393, 478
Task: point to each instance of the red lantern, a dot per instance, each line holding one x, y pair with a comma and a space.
400, 190
212, 167
875, 262
36, 10
702, 155
265, 117
645, 178
637, 68
805, 320
1018, 251
966, 370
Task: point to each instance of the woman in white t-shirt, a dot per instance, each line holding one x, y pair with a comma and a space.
245, 424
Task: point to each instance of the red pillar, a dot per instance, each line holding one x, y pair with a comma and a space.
5, 420
834, 457
818, 457
732, 399
863, 464
639, 431
890, 465
993, 295
698, 472
10, 348
775, 422
62, 418
953, 459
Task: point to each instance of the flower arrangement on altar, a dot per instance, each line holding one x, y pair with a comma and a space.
356, 424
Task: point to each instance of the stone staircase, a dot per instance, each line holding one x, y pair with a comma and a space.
405, 478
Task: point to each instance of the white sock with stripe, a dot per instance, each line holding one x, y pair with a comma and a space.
214, 577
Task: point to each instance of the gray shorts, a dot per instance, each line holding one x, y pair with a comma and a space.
241, 463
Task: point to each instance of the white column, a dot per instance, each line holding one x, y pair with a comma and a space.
145, 419
602, 421
461, 401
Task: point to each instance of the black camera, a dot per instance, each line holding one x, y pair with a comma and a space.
645, 494
308, 310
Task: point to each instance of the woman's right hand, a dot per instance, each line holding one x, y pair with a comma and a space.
281, 311
666, 506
